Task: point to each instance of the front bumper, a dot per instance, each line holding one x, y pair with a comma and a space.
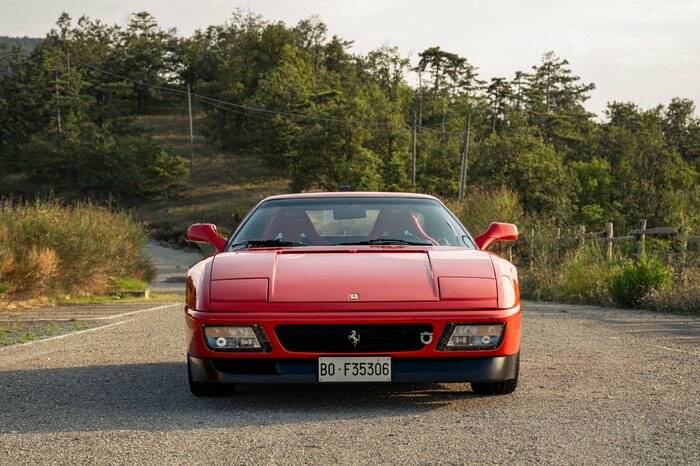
413, 370
437, 319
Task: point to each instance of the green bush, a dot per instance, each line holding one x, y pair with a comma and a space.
483, 205
584, 275
48, 249
635, 280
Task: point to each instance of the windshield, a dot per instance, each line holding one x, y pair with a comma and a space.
350, 220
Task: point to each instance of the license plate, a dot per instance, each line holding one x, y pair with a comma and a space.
354, 369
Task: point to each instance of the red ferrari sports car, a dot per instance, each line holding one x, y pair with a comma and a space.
352, 287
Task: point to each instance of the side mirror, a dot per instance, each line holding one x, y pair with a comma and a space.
497, 232
206, 233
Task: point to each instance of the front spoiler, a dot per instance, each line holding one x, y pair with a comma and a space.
416, 370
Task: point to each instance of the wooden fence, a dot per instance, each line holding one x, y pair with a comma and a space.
607, 236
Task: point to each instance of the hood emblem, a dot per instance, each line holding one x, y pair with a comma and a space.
354, 296
426, 338
354, 337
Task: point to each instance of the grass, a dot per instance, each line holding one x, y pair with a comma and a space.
223, 188
109, 299
130, 284
13, 333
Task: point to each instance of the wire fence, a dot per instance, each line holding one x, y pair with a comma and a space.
551, 246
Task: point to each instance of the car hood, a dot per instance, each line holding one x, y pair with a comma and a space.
364, 274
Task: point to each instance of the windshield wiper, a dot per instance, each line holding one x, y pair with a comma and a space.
265, 243
386, 241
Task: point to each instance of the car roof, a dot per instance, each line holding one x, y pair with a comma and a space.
346, 194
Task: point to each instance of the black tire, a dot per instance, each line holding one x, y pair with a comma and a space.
208, 389
501, 387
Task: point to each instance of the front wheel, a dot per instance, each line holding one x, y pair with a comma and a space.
501, 387
208, 389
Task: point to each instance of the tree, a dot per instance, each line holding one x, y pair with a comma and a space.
499, 92
65, 139
649, 176
145, 54
288, 88
521, 160
682, 129
593, 201
554, 99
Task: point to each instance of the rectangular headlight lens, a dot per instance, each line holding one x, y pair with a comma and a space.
232, 338
474, 336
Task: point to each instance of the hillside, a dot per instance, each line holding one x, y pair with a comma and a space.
25, 44
224, 187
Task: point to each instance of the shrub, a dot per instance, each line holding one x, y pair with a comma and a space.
677, 299
631, 283
47, 248
584, 275
483, 205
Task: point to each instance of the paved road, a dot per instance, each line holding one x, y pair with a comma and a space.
597, 387
171, 265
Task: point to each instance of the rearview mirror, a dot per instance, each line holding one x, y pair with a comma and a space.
497, 232
349, 213
206, 233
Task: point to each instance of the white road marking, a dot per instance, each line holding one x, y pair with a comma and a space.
59, 337
133, 313
88, 330
678, 350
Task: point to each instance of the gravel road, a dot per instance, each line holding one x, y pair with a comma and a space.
597, 386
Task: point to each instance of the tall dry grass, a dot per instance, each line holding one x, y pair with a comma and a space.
48, 248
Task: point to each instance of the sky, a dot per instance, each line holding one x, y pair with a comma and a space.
645, 51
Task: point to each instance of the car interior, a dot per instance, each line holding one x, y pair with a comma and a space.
347, 225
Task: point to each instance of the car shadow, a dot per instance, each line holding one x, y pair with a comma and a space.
155, 396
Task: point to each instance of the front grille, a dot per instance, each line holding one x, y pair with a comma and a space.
337, 338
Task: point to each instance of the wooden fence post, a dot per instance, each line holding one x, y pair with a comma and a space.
582, 234
510, 252
641, 238
684, 237
608, 240
531, 252
684, 258
558, 245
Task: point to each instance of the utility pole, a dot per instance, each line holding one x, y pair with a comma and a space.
414, 150
189, 111
420, 98
58, 105
463, 170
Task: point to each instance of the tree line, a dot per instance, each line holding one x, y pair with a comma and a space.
300, 99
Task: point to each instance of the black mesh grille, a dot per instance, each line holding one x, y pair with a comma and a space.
336, 338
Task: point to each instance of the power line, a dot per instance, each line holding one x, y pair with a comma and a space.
226, 105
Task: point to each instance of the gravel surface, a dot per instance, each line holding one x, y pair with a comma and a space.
597, 386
